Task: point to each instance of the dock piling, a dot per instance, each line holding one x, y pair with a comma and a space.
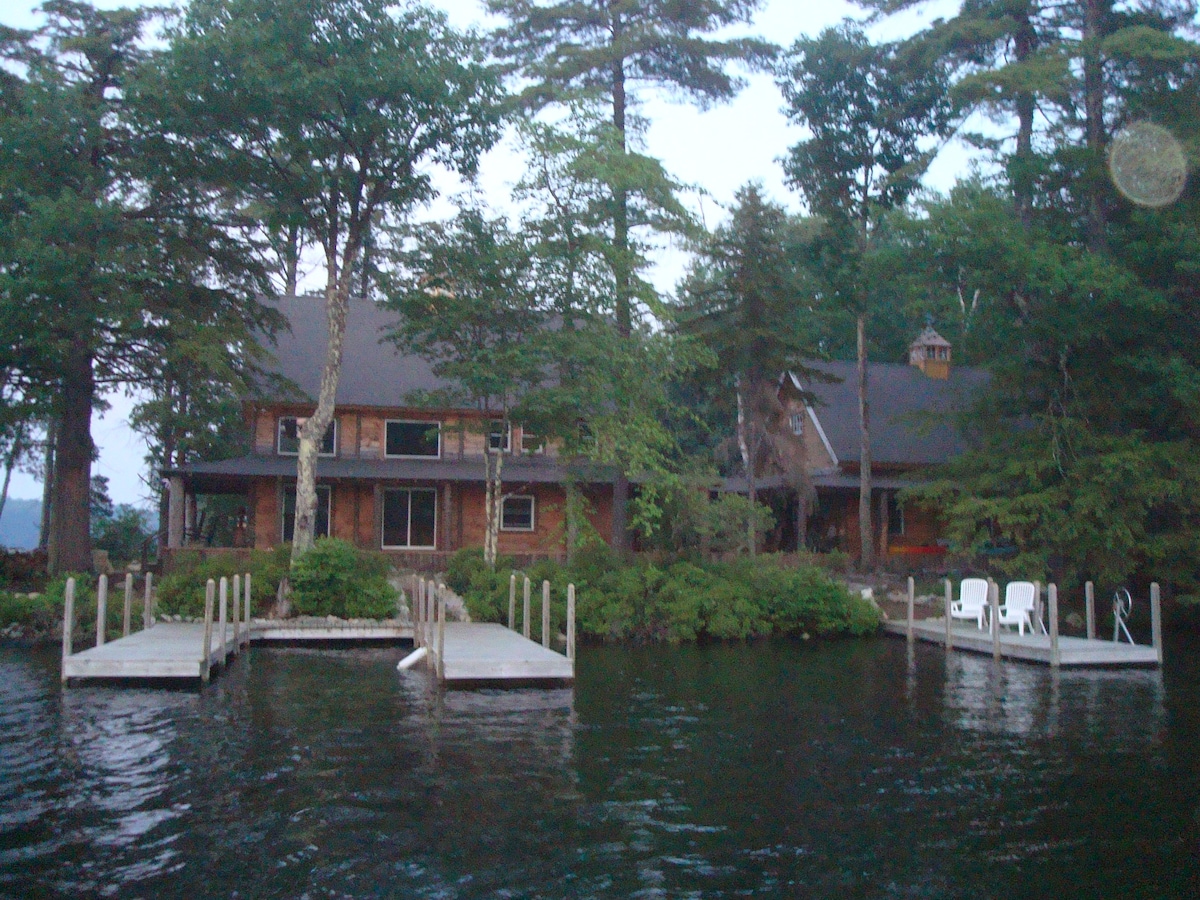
911, 599
546, 614
512, 602
525, 610
246, 600
571, 622
68, 623
441, 636
994, 610
223, 614
1156, 620
147, 601
1089, 599
126, 620
101, 610
206, 660
1052, 600
237, 613
1039, 608
949, 619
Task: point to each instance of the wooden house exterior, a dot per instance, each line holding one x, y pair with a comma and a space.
393, 476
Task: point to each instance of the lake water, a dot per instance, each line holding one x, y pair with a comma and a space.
864, 769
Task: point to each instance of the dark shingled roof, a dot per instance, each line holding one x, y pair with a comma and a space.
915, 419
373, 373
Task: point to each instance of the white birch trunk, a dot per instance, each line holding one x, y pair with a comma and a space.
865, 531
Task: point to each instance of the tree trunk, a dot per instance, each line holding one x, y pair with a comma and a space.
865, 531
1093, 106
14, 453
48, 484
70, 547
337, 302
747, 462
1025, 43
493, 505
574, 510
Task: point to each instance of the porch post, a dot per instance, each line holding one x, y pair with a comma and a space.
175, 513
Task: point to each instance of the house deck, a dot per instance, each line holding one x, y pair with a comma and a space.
1036, 648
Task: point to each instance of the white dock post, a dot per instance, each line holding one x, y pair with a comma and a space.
525, 610
147, 600
994, 610
1156, 620
571, 622
1089, 597
912, 587
949, 620
224, 616
237, 613
1038, 607
512, 602
68, 624
1052, 600
246, 601
127, 619
414, 607
430, 614
546, 614
441, 636
209, 590
101, 610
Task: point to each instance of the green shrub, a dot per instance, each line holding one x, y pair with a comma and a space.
465, 564
335, 578
680, 600
182, 591
41, 617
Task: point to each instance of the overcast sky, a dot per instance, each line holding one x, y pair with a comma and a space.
718, 150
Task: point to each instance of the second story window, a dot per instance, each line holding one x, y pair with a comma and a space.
531, 442
287, 441
797, 422
499, 437
410, 438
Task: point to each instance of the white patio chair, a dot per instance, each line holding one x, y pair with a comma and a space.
1020, 598
972, 601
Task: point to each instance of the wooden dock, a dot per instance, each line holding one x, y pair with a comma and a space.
165, 650
1048, 647
1035, 648
464, 653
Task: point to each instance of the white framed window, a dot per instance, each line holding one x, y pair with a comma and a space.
517, 513
531, 442
287, 437
287, 523
407, 439
409, 519
797, 422
499, 436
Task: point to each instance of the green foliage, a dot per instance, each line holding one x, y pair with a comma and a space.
182, 591
466, 564
335, 578
23, 570
680, 600
122, 534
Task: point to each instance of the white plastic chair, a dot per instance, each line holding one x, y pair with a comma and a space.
1020, 598
972, 601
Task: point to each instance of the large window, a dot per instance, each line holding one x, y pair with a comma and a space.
410, 518
405, 438
288, 439
288, 525
895, 517
516, 514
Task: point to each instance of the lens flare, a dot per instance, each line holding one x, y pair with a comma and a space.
1147, 164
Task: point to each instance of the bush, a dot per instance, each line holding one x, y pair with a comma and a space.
182, 591
335, 578
23, 570
681, 600
40, 617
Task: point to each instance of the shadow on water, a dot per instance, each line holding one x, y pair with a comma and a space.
868, 769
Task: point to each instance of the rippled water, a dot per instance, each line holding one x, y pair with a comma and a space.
783, 770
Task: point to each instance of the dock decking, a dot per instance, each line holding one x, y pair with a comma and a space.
477, 652
1035, 648
165, 650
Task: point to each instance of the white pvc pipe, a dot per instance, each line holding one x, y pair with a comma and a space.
413, 658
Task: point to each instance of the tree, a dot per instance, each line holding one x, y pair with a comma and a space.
468, 303
869, 109
571, 51
101, 252
326, 112
743, 300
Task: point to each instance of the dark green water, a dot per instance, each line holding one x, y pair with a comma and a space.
849, 770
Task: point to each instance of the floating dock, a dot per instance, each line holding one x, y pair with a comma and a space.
1048, 647
1034, 648
165, 650
478, 652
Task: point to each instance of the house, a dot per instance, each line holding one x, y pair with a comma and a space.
916, 414
391, 475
